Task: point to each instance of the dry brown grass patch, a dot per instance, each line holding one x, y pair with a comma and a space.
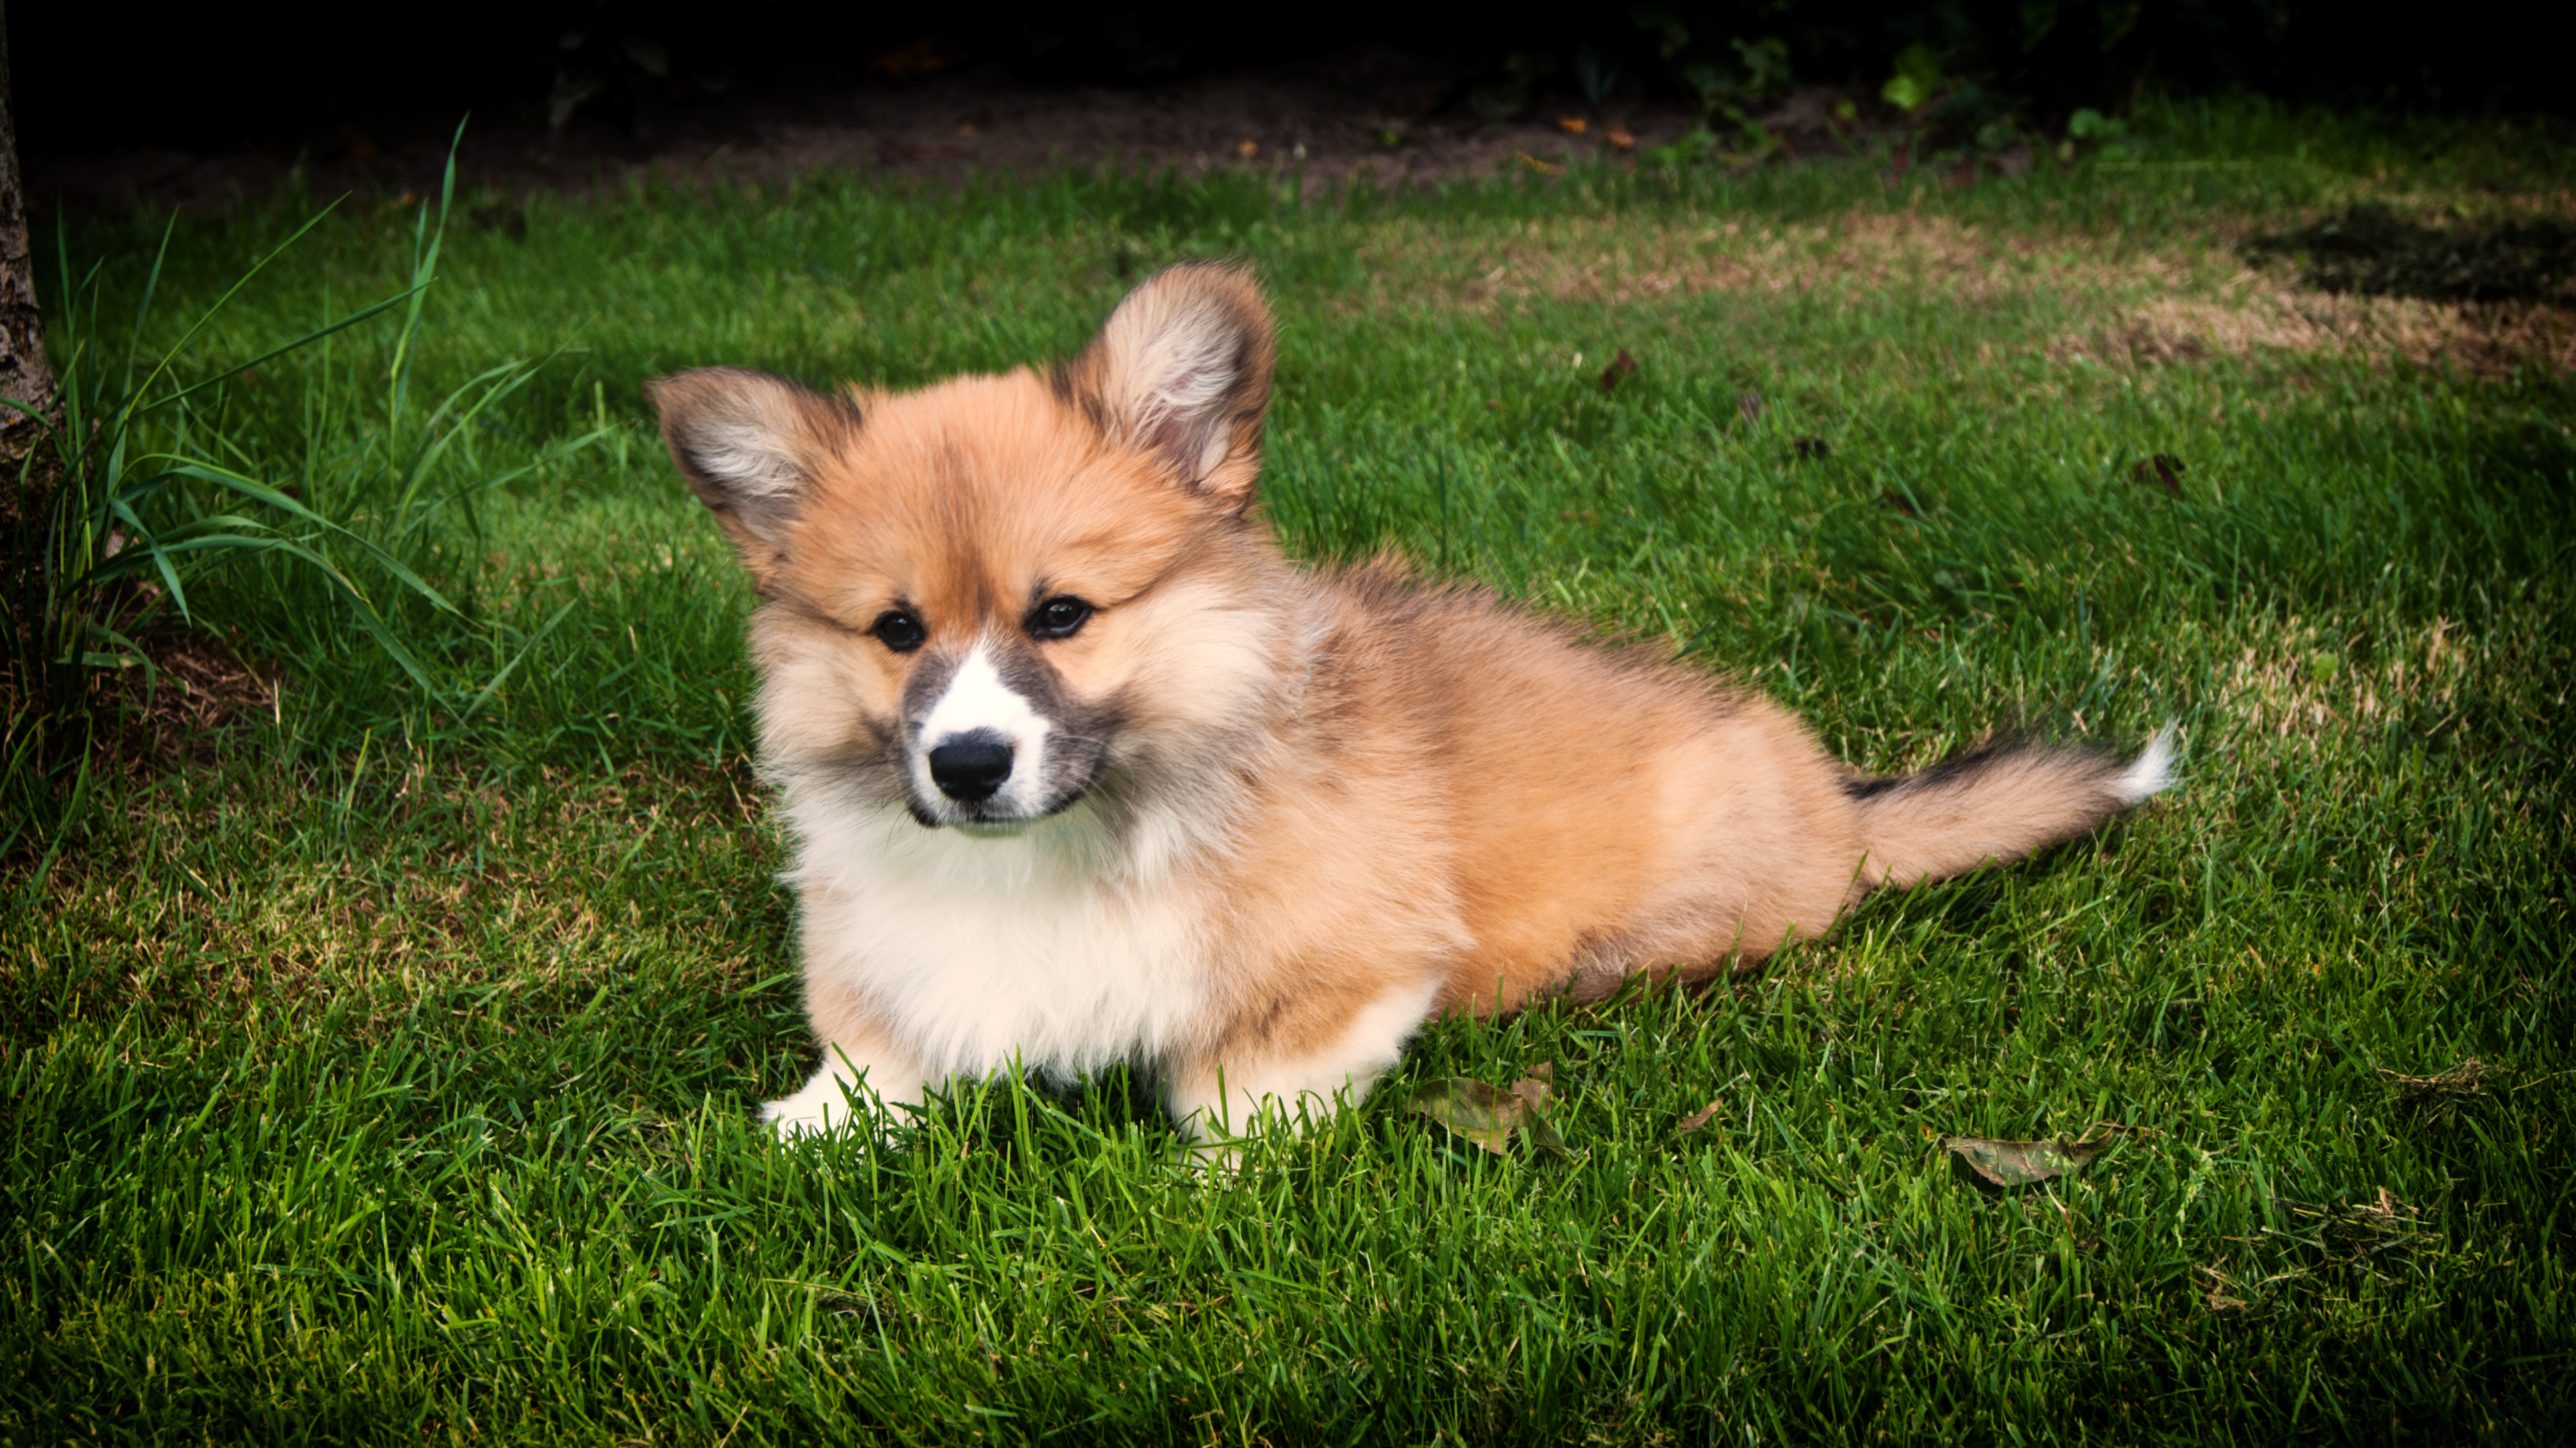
1614, 260
2439, 1099
2304, 685
2191, 302
2260, 317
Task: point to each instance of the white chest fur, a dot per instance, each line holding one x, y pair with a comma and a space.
979, 951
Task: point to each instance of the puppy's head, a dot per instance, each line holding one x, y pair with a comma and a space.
986, 597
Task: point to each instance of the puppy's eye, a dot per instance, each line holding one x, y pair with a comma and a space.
1058, 618
898, 630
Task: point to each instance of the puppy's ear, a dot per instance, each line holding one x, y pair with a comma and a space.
1182, 370
749, 444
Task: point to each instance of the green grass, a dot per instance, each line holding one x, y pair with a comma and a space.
388, 1073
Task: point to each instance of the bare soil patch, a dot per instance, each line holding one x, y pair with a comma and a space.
176, 697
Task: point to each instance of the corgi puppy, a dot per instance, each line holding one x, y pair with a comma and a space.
1080, 768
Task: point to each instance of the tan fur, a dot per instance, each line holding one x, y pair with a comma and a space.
1377, 781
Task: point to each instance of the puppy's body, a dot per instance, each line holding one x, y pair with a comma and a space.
1082, 769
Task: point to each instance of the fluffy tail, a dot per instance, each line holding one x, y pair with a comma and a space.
1998, 802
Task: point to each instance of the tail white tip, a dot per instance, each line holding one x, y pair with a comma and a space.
2151, 772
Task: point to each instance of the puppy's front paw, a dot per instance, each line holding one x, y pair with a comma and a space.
843, 1097
798, 1115
829, 1108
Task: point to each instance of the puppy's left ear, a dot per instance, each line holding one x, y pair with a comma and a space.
749, 445
1182, 370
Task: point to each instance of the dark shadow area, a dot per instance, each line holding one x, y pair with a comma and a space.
191, 106
2372, 251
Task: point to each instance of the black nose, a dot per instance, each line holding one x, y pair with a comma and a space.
971, 768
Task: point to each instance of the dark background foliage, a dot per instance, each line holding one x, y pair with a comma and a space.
94, 77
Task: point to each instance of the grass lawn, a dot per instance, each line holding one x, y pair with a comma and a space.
381, 1064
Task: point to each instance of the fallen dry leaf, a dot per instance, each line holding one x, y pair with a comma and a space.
2163, 470
1699, 1118
1488, 1115
2020, 1163
1619, 138
1544, 168
1247, 149
1572, 125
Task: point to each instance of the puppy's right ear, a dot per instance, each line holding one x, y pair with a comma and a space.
750, 444
1181, 370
